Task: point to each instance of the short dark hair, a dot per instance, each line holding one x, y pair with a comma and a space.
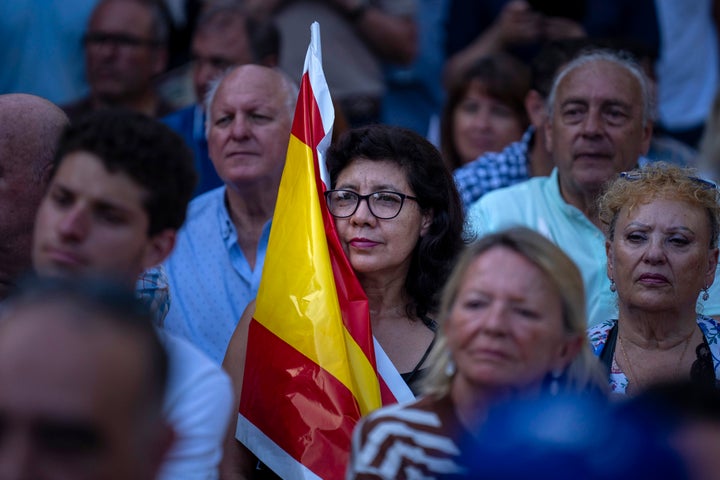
434, 187
99, 300
146, 150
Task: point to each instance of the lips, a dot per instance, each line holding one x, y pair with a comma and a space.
360, 242
489, 354
653, 279
593, 155
64, 258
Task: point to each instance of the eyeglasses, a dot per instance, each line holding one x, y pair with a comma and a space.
116, 40
638, 174
383, 205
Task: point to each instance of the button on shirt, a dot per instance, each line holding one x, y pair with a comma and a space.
211, 281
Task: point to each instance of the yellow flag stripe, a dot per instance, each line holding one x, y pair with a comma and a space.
300, 304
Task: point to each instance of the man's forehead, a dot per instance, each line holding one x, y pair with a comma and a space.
600, 76
83, 173
118, 16
253, 89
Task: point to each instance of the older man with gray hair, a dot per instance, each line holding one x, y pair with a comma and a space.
599, 124
215, 269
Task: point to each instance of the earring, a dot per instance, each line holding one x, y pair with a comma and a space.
705, 294
450, 367
554, 387
613, 288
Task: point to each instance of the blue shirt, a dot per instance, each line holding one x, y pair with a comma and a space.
189, 123
42, 51
494, 170
211, 281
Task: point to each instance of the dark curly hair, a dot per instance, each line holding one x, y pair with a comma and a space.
433, 185
144, 149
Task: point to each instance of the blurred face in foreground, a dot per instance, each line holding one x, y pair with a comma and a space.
94, 222
75, 401
505, 331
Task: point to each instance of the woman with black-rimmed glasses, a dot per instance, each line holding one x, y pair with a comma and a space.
400, 221
662, 252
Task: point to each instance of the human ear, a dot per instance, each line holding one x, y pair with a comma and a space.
609, 255
427, 220
159, 247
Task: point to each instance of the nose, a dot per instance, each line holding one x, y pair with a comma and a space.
494, 320
363, 215
106, 49
655, 253
482, 118
73, 225
592, 124
240, 127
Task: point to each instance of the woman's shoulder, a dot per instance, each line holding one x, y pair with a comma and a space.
422, 427
597, 334
710, 328
421, 409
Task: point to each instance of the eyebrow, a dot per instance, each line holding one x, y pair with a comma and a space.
375, 187
95, 202
677, 228
604, 103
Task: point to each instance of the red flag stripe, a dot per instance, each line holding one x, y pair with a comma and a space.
328, 415
308, 128
307, 124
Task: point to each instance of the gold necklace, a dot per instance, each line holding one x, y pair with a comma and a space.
631, 374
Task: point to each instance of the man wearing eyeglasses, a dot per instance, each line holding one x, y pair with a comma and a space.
125, 49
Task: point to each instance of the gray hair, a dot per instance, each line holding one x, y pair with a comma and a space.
619, 58
290, 88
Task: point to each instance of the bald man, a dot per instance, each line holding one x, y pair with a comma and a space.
30, 127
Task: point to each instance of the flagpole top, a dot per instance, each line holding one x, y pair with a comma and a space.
315, 40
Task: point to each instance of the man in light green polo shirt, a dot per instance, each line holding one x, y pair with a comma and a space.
599, 112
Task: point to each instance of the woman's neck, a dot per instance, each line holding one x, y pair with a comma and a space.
472, 402
660, 330
387, 299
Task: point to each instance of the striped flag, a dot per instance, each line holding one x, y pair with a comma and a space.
312, 367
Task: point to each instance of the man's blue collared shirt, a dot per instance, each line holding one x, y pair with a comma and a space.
211, 281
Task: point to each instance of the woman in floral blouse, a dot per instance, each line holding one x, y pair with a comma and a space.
662, 250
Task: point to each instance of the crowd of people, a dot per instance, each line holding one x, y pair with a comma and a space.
538, 247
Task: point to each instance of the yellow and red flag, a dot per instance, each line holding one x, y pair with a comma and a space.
312, 367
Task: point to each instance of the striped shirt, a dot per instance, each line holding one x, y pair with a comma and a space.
420, 440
